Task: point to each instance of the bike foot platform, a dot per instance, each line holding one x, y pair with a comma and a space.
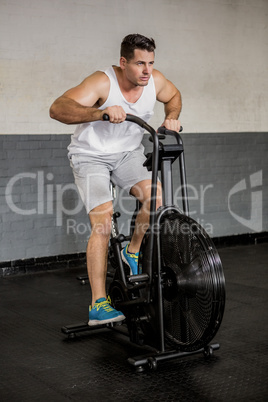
73, 329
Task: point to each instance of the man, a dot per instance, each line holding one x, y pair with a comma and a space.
103, 151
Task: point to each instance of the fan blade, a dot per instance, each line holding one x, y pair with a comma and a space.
191, 278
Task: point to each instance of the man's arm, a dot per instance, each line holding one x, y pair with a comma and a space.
167, 93
68, 111
80, 104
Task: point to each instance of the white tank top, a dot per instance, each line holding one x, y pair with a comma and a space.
101, 137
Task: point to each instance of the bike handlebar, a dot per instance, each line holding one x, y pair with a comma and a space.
161, 130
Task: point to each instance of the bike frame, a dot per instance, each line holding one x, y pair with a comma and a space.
161, 158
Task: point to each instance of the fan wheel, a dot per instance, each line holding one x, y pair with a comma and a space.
193, 285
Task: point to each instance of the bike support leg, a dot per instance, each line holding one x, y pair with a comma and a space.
152, 360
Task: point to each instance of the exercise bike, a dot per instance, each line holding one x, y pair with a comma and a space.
176, 304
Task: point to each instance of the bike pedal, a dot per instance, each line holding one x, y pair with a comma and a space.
138, 278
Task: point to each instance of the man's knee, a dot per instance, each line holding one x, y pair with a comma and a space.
158, 199
142, 191
101, 220
102, 228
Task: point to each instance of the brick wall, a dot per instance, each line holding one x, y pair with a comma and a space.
225, 170
36, 188
41, 214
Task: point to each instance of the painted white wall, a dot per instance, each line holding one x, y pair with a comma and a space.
215, 52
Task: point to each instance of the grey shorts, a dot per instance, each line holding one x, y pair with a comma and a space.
93, 173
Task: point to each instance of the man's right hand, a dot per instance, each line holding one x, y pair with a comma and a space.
116, 114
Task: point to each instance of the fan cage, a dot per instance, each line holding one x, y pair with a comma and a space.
191, 264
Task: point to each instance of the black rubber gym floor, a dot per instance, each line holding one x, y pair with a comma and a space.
39, 363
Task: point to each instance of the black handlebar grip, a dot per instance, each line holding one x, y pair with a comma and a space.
106, 117
165, 131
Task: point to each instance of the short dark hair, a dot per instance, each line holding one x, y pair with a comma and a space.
136, 41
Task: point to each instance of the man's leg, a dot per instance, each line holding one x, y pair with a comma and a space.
92, 178
142, 191
97, 249
100, 311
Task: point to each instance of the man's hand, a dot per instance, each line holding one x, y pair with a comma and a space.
172, 124
116, 114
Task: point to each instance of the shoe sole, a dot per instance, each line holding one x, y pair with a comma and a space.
99, 322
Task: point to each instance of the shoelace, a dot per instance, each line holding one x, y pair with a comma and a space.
105, 304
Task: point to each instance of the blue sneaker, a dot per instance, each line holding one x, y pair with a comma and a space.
131, 260
102, 312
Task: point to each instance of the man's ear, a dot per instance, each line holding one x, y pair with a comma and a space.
123, 62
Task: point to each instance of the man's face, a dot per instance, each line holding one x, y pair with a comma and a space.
139, 69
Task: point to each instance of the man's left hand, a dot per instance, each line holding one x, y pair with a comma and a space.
172, 124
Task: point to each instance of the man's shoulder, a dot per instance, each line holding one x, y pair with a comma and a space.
158, 76
98, 76
159, 79
98, 80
